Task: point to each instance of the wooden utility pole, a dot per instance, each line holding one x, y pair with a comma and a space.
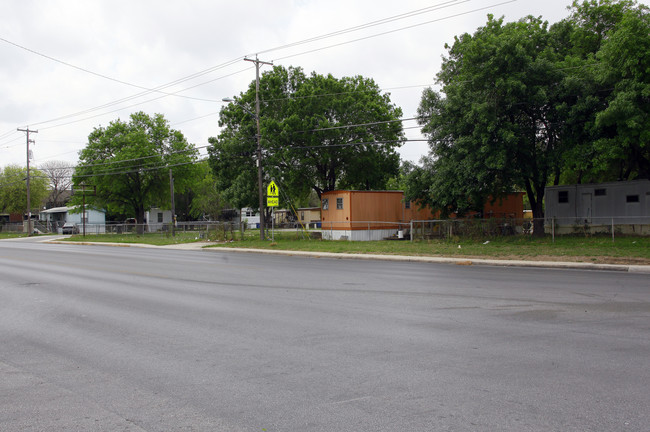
29, 204
259, 145
85, 190
171, 192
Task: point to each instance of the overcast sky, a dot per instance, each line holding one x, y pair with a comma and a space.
69, 66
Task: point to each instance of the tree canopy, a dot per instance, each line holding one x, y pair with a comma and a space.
318, 133
13, 189
129, 163
524, 105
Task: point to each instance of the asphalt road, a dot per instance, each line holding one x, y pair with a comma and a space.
96, 338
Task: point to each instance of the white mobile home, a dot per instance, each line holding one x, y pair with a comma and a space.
617, 203
56, 217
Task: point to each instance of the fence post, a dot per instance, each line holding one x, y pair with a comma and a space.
612, 230
331, 230
411, 231
368, 231
553, 229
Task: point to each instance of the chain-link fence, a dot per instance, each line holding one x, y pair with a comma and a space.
470, 228
201, 230
364, 230
619, 225
481, 228
12, 227
372, 230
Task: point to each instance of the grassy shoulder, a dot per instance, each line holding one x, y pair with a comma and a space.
593, 249
155, 239
10, 235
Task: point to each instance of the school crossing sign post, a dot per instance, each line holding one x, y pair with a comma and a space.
272, 200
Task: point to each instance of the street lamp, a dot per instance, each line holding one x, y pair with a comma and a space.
260, 188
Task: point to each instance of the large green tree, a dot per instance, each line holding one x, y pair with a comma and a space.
13, 189
203, 198
129, 163
318, 133
625, 68
605, 53
523, 106
497, 127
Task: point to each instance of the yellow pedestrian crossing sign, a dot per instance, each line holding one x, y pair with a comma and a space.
272, 190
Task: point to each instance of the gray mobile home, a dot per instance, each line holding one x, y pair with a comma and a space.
603, 204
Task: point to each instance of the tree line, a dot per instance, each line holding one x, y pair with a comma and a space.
520, 105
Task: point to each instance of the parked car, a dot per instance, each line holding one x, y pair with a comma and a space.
70, 228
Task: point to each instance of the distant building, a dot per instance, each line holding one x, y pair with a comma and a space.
283, 218
157, 219
251, 217
310, 217
602, 204
56, 217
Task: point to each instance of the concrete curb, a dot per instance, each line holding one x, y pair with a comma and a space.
447, 260
200, 246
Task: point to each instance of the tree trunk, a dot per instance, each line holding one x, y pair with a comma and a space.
140, 220
537, 205
538, 219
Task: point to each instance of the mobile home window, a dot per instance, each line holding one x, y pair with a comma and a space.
326, 203
339, 203
632, 198
600, 192
407, 204
563, 196
302, 215
160, 217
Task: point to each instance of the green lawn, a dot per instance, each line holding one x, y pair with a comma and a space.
589, 249
156, 239
8, 235
599, 249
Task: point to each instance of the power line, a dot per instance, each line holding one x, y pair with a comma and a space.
395, 30
126, 107
144, 168
209, 70
368, 25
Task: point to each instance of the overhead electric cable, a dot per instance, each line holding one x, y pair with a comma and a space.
394, 30
368, 25
159, 88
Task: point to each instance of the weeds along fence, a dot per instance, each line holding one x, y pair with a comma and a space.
495, 227
587, 226
198, 230
469, 228
209, 230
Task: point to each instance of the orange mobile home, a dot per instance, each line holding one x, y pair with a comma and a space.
366, 215
375, 215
